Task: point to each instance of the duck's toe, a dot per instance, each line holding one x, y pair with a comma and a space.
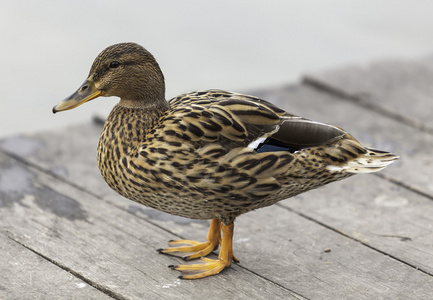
208, 267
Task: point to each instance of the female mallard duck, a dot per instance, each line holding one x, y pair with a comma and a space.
208, 154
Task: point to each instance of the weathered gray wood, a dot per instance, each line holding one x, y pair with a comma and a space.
377, 213
25, 275
292, 251
314, 257
107, 246
400, 87
383, 215
326, 279
116, 251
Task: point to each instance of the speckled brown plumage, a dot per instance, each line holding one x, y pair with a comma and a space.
208, 154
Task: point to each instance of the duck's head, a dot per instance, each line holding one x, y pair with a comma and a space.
126, 70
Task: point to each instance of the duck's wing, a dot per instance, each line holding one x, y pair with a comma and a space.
235, 120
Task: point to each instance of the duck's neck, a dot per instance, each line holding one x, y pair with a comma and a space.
127, 127
140, 116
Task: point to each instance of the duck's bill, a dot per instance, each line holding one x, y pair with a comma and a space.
86, 92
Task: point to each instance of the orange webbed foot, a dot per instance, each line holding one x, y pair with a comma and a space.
206, 267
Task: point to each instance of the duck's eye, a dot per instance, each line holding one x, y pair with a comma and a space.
114, 64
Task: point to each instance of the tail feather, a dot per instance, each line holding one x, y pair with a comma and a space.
372, 161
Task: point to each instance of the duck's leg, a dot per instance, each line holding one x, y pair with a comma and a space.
198, 249
212, 266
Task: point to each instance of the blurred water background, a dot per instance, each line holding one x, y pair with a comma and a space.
47, 46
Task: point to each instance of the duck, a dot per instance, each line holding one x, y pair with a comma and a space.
209, 154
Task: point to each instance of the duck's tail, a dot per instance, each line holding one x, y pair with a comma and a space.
372, 161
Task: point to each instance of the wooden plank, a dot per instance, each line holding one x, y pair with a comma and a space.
312, 260
111, 249
25, 275
115, 251
401, 88
384, 216
321, 264
295, 260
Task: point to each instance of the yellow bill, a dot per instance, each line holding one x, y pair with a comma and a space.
86, 92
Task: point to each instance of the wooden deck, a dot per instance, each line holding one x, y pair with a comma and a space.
65, 235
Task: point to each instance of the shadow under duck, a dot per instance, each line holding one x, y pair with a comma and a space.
208, 154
